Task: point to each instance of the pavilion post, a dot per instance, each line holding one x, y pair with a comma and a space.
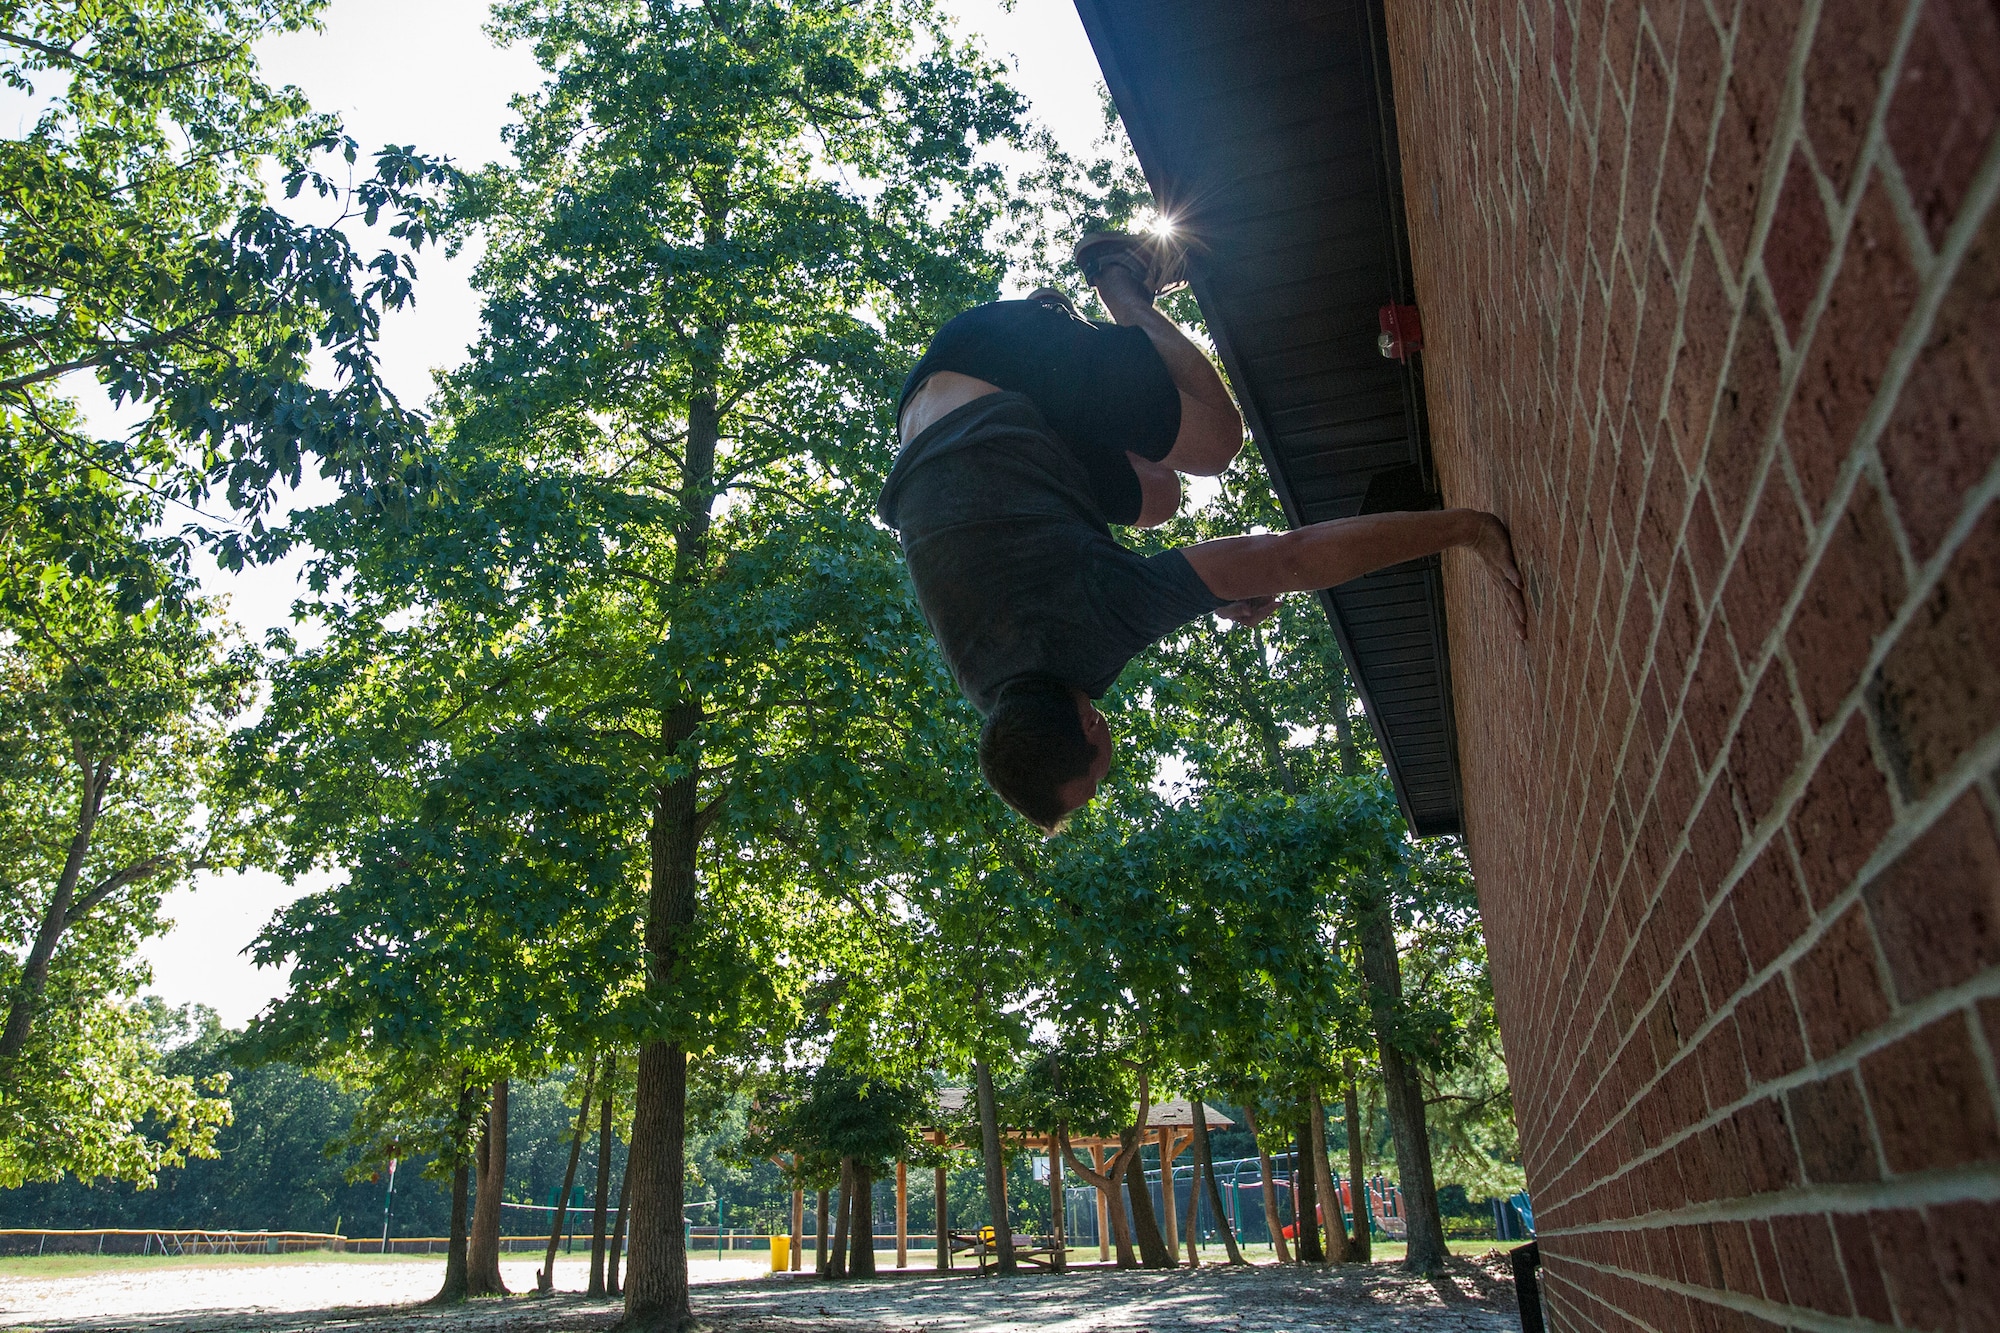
902, 1214
1103, 1228
943, 1225
1167, 1209
798, 1223
1060, 1240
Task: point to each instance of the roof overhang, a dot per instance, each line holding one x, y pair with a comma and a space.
1268, 134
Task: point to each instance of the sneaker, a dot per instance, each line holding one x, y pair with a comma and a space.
1159, 263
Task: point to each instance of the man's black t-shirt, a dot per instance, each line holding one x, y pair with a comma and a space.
1102, 388
1014, 565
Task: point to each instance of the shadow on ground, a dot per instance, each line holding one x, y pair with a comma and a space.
1474, 1297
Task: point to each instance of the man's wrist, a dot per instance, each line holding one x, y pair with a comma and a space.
1468, 526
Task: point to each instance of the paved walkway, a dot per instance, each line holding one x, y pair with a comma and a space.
377, 1298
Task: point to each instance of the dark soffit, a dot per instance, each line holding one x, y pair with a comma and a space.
1267, 132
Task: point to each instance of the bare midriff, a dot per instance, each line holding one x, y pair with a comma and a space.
941, 393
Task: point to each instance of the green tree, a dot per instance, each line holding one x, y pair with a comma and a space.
272, 1168
726, 230
118, 696
135, 247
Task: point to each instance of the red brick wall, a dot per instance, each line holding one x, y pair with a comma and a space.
1712, 293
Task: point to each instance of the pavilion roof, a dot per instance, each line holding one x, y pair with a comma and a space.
1172, 1114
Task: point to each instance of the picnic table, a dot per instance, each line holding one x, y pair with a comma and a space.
1039, 1251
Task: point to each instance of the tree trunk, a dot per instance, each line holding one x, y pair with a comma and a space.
1357, 1170
600, 1205
454, 1253
454, 1286
819, 1235
1153, 1249
1402, 1090
996, 1169
34, 978
545, 1281
611, 1283
836, 1259
1306, 1223
1266, 1170
483, 1246
1205, 1169
1326, 1187
861, 1222
656, 1289
656, 1295
1104, 1180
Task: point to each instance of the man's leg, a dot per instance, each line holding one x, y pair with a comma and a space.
1211, 432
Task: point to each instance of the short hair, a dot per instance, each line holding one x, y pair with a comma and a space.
1033, 743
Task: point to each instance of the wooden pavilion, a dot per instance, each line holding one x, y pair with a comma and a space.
1171, 1123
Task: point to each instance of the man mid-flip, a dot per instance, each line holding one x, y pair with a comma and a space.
1027, 431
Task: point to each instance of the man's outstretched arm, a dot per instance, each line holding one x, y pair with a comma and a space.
1325, 555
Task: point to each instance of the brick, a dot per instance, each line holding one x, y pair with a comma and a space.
1831, 1120
1654, 345
1945, 431
1720, 1060
1698, 360
1716, 836
1713, 693
1843, 81
1864, 1270
1652, 93
1942, 115
1855, 592
1799, 243
1768, 745
1937, 693
1770, 912
1930, 1100
1719, 956
1936, 910
1697, 92
1768, 565
1765, 34
1915, 1289
1605, 215
1746, 409
1736, 1258
1764, 1138
1811, 1263
1838, 985
1968, 1259
1705, 551
1769, 1026
1865, 312
1842, 816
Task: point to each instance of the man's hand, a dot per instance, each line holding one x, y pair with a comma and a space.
1249, 611
1496, 548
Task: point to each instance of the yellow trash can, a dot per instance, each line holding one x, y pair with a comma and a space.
781, 1254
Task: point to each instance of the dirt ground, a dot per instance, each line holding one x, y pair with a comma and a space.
382, 1296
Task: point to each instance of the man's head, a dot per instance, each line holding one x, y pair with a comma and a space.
1044, 749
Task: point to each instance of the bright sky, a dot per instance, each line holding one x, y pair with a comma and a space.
441, 85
